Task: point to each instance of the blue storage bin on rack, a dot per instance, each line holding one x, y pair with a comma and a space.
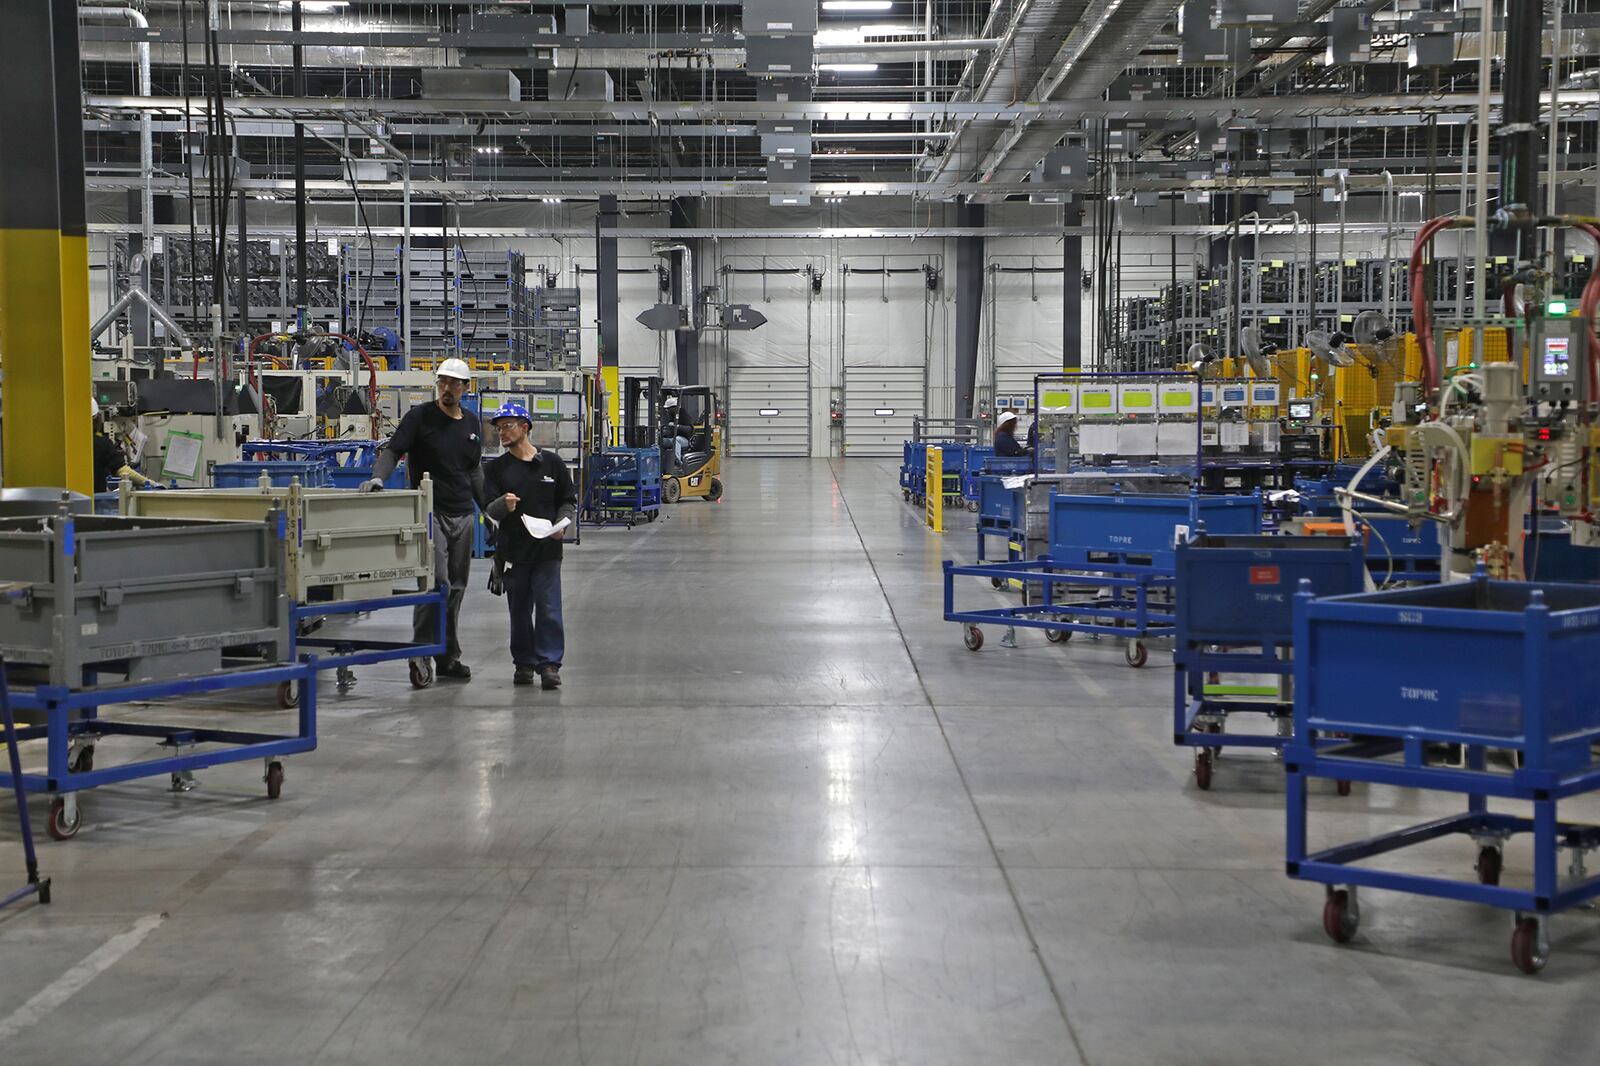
624, 487
246, 474
349, 463
1002, 510
1486, 665
974, 461
913, 469
1117, 553
1234, 613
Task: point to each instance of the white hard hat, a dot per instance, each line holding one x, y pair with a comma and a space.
1009, 416
671, 401
454, 368
94, 408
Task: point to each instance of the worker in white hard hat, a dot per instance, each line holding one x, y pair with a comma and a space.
440, 440
677, 427
1005, 435
109, 458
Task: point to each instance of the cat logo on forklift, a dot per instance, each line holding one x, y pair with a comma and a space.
694, 481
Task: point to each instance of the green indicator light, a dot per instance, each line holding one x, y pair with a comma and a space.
1556, 307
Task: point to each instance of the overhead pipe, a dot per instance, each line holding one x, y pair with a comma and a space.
147, 196
126, 300
685, 278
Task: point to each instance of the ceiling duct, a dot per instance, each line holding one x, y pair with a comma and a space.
1097, 51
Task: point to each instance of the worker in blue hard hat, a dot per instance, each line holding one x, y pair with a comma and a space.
532, 497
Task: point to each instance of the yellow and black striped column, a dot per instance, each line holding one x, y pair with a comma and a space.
44, 254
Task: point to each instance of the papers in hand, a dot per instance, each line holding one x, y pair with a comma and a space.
540, 528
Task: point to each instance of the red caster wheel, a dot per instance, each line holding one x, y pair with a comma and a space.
61, 825
421, 673
1340, 916
1136, 654
1342, 787
1489, 864
972, 637
1058, 636
1529, 948
1202, 769
288, 695
274, 780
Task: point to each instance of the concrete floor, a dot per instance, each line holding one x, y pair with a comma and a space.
779, 815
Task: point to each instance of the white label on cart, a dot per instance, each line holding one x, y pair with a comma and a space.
90, 629
1426, 695
1413, 618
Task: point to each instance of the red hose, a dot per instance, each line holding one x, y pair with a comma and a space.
1421, 305
1586, 307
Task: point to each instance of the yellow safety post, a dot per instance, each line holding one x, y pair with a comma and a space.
44, 252
933, 492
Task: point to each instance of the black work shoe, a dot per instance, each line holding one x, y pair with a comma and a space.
525, 675
455, 671
550, 677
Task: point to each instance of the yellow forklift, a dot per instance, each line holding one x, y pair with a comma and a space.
657, 415
690, 413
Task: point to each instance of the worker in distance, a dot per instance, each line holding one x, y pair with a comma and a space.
441, 441
534, 502
1005, 435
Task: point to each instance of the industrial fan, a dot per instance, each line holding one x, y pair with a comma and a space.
1257, 353
1200, 356
1332, 348
1371, 332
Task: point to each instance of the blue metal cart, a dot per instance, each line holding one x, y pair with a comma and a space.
624, 487
35, 884
1235, 614
345, 652
1486, 665
1110, 601
1114, 556
69, 721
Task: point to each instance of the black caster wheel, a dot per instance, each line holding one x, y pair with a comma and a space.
972, 505
1489, 864
44, 892
1340, 917
60, 825
905, 494
84, 762
274, 780
997, 583
1136, 654
972, 637
421, 673
1202, 769
1058, 636
346, 680
1342, 787
288, 695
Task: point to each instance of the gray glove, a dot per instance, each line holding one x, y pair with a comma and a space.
375, 485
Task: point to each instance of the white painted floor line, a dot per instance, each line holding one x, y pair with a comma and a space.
72, 982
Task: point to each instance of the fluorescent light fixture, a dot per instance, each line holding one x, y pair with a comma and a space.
550, 199
315, 7
848, 68
769, 412
884, 412
857, 5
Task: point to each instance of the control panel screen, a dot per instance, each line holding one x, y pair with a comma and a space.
1300, 411
1557, 357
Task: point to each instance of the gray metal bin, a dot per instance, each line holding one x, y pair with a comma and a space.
341, 545
140, 598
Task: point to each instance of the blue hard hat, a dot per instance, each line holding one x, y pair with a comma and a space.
511, 409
